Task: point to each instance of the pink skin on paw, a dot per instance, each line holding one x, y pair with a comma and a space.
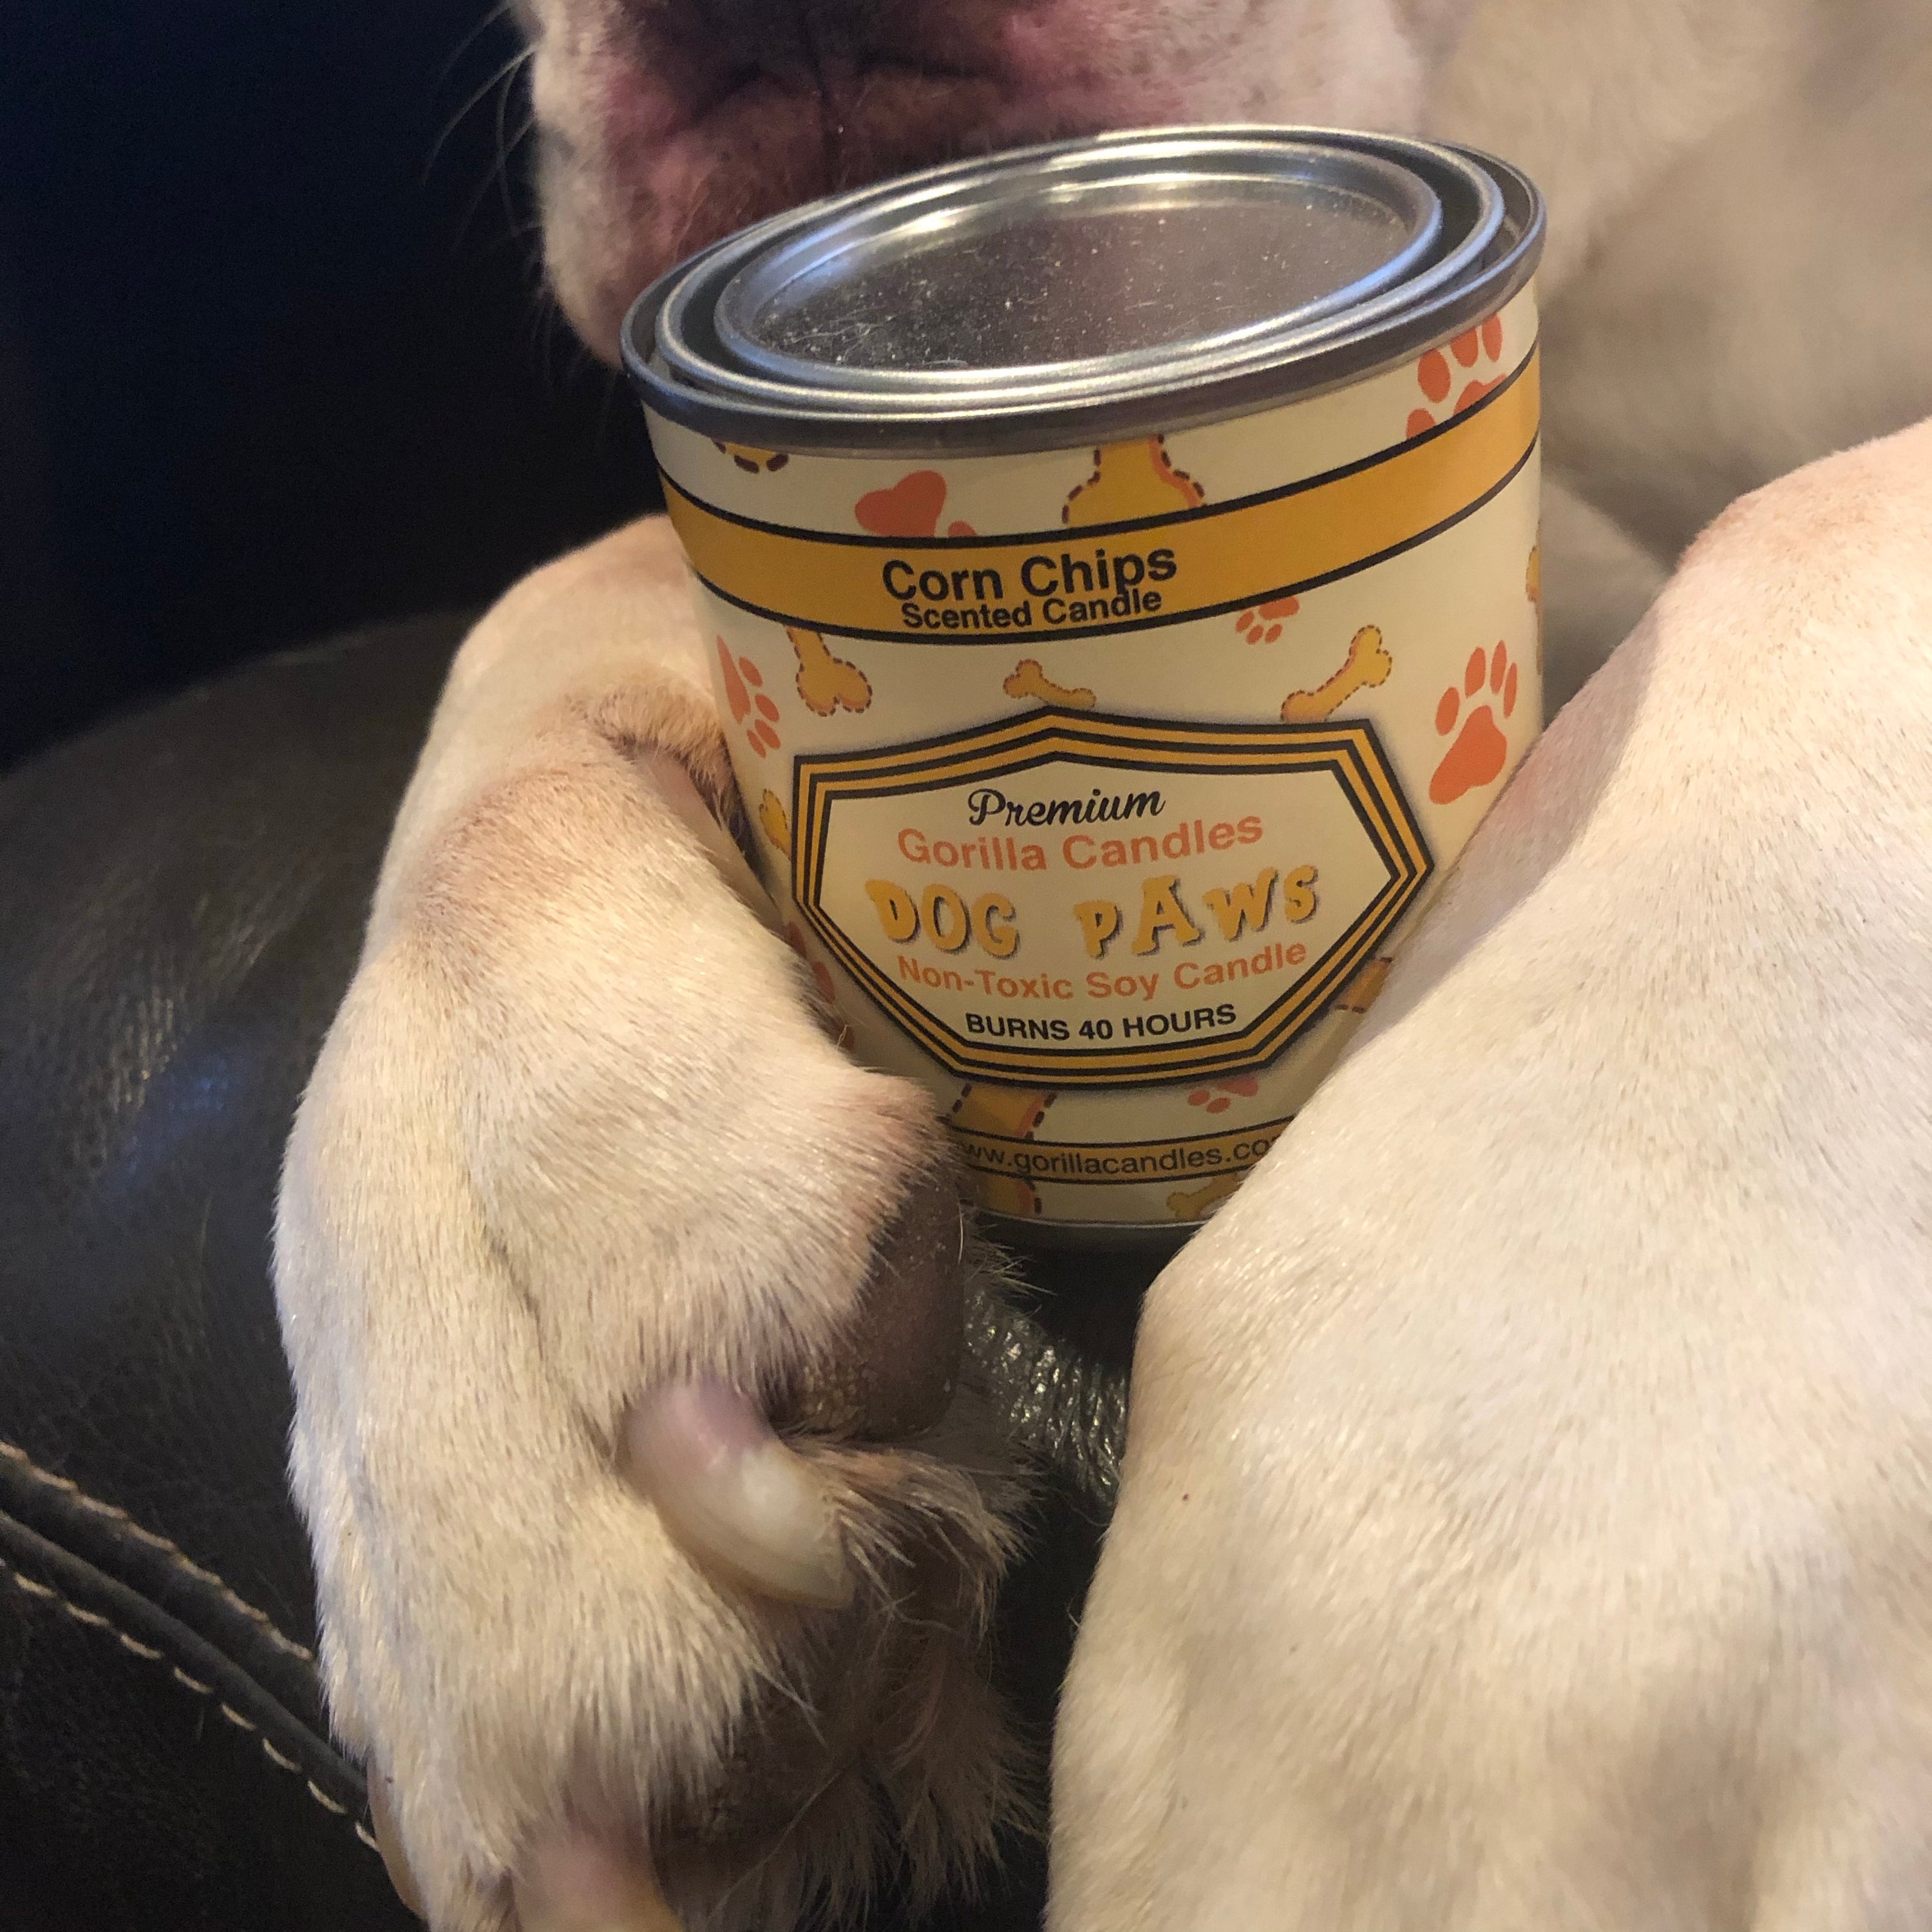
574, 1881
704, 1422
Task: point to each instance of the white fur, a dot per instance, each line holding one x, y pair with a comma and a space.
1527, 1515
576, 1130
1738, 244
1483, 1573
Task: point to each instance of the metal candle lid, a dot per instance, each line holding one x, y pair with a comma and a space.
1083, 292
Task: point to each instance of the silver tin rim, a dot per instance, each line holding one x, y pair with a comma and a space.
1490, 238
1042, 177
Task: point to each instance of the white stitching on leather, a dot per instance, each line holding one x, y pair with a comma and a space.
32, 1587
173, 1551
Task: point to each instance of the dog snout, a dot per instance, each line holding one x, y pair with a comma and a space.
809, 38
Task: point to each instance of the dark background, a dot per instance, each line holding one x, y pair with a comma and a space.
274, 356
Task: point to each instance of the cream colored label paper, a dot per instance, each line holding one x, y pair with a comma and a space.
1080, 900
1098, 783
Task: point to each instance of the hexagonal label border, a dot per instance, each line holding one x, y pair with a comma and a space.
1351, 751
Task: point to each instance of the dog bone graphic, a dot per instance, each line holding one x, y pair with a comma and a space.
755, 460
1367, 663
771, 816
1028, 680
1012, 1112
1360, 993
827, 683
1131, 479
1194, 1204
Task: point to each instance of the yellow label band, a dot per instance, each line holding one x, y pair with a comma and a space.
1130, 576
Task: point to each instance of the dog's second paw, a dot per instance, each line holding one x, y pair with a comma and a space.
655, 1537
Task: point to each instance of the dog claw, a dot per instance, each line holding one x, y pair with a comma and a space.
735, 1497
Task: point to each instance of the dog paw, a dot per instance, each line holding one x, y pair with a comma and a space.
655, 1533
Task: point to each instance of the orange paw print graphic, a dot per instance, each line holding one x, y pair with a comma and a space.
743, 679
826, 683
758, 461
909, 508
1262, 625
1130, 479
1218, 1096
1441, 372
1477, 757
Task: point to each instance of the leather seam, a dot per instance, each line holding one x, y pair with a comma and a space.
32, 1587
68, 1487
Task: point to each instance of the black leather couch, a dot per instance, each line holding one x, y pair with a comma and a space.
181, 896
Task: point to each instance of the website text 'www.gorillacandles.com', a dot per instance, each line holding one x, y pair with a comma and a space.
1050, 1160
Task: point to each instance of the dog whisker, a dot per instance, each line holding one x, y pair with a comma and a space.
505, 76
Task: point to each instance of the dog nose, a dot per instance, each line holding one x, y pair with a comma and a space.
808, 37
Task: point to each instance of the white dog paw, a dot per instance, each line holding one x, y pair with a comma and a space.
581, 1205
